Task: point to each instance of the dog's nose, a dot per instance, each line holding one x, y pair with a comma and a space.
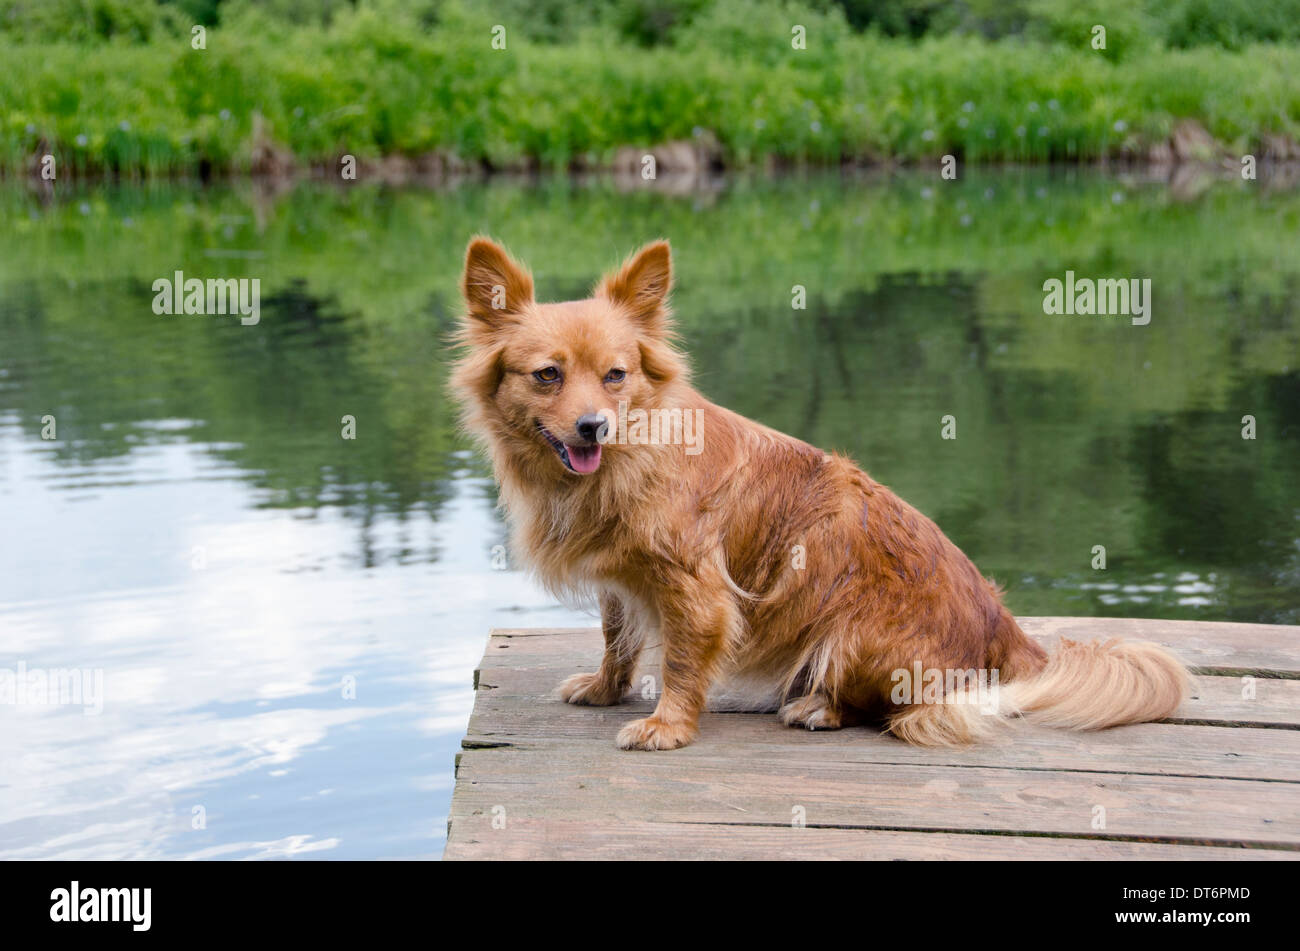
592, 427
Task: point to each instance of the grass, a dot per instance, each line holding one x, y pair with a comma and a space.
372, 86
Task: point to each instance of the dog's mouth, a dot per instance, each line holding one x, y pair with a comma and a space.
583, 460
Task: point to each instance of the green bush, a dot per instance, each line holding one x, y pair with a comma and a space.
393, 77
1132, 24
1231, 24
1128, 29
85, 21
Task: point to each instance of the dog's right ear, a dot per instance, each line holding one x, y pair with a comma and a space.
496, 288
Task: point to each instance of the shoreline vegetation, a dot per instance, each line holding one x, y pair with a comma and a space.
421, 89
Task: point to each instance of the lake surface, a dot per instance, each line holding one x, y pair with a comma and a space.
284, 622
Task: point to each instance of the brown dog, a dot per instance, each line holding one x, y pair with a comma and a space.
764, 566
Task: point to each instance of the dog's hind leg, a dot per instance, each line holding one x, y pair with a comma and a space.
813, 689
623, 639
815, 711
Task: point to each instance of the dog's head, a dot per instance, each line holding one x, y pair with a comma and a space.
543, 382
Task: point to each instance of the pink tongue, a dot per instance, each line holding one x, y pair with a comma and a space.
584, 459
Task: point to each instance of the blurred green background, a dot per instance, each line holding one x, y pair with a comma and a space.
115, 86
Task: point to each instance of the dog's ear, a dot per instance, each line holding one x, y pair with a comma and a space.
641, 286
496, 288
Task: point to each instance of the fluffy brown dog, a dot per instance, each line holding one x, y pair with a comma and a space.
768, 569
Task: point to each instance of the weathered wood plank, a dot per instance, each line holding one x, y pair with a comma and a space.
1149, 749
1223, 646
529, 838
716, 782
1224, 773
1225, 700
1216, 698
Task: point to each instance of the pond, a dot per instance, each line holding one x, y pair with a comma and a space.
278, 625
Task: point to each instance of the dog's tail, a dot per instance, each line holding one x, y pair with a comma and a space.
1084, 686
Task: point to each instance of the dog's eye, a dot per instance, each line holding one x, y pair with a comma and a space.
547, 374
615, 376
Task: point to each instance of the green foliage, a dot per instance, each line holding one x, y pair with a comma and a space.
913, 18
740, 30
651, 22
85, 21
411, 78
1129, 31
1231, 24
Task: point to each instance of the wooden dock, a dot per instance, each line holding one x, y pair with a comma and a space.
541, 779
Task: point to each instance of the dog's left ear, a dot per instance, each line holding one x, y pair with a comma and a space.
641, 286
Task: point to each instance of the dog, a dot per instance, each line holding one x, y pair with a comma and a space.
772, 574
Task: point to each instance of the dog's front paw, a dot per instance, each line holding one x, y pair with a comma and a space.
653, 733
589, 690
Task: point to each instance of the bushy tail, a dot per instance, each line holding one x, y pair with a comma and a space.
1093, 685
1085, 686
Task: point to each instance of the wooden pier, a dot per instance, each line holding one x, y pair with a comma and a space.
541, 779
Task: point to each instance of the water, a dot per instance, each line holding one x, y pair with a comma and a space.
286, 621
